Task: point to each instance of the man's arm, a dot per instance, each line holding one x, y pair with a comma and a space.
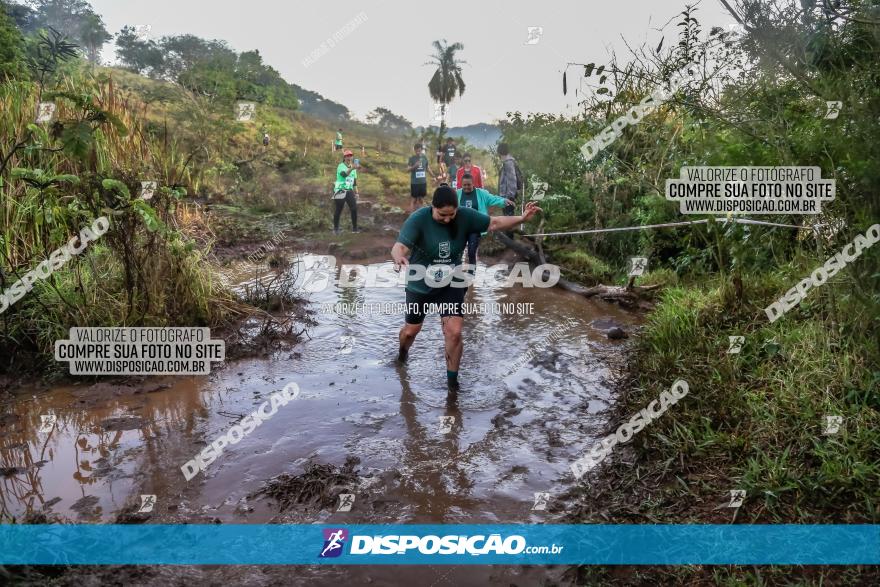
508, 222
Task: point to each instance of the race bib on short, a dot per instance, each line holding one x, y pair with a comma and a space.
420, 174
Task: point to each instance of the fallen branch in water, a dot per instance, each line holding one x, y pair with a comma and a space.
631, 296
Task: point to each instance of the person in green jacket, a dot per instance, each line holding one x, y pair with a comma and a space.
480, 200
345, 191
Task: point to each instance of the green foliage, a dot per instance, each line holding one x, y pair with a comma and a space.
11, 47
583, 267
389, 121
209, 69
58, 178
74, 20
752, 420
48, 50
756, 418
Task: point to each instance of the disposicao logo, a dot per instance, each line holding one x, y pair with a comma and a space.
334, 541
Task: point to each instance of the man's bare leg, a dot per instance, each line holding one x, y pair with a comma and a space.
407, 337
454, 347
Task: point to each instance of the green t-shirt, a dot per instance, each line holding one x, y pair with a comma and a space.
339, 138
344, 182
448, 154
469, 200
419, 174
434, 243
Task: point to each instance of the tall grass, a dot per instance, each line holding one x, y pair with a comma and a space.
144, 271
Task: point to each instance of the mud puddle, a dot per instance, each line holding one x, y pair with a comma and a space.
534, 389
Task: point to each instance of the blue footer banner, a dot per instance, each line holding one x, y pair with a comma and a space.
451, 544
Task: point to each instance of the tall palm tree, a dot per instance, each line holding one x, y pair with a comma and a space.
447, 81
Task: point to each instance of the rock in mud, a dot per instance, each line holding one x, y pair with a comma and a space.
616, 333
610, 327
122, 423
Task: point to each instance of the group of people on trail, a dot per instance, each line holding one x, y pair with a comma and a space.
454, 165
440, 234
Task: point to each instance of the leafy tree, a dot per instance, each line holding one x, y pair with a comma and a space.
447, 81
11, 43
23, 16
143, 57
315, 104
93, 35
206, 68
74, 19
387, 120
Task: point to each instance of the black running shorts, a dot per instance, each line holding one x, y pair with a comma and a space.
447, 301
418, 190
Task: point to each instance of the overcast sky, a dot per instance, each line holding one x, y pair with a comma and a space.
380, 63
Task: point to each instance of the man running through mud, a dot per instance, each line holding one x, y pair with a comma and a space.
430, 246
418, 183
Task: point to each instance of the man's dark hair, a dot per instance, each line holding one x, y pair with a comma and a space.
467, 176
503, 149
444, 196
450, 140
417, 146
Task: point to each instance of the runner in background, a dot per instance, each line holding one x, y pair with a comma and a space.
449, 152
453, 171
442, 176
338, 142
435, 238
479, 200
510, 182
419, 170
447, 163
473, 170
345, 191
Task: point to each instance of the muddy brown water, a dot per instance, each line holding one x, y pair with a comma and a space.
516, 426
